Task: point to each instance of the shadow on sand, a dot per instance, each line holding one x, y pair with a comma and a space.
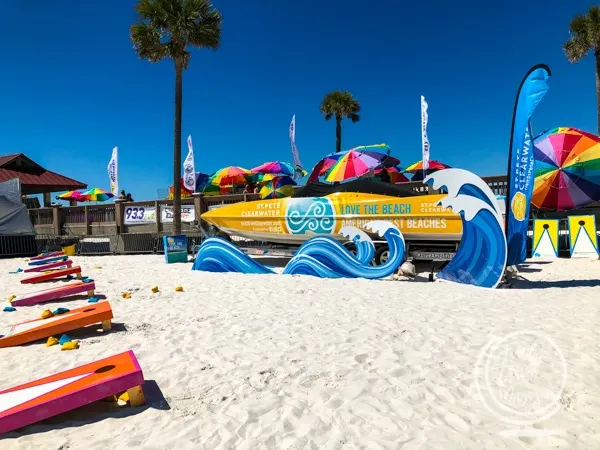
87, 332
95, 412
522, 283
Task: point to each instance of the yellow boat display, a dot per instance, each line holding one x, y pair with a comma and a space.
293, 220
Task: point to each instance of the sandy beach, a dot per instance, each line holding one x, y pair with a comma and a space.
280, 362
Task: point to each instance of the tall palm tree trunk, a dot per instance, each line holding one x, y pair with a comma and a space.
177, 148
338, 134
597, 54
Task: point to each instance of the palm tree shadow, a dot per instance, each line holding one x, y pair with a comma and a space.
95, 412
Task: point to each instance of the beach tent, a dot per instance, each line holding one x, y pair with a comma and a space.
14, 219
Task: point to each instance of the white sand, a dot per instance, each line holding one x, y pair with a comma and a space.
296, 362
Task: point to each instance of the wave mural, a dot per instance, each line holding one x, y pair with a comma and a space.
219, 255
325, 257
481, 256
321, 256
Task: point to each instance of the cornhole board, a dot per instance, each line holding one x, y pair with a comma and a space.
41, 262
583, 238
46, 255
545, 239
33, 330
46, 295
50, 266
53, 275
47, 397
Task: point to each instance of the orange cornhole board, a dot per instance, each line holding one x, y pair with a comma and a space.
46, 295
33, 330
50, 266
46, 255
53, 275
53, 395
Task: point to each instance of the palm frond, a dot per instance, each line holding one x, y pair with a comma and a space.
584, 37
167, 27
575, 49
147, 42
204, 27
579, 27
341, 104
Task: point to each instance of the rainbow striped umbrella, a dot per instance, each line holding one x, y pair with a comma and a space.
275, 167
230, 175
97, 195
360, 161
417, 169
567, 169
323, 166
278, 187
72, 195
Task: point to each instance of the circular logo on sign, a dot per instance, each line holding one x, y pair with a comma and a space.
187, 169
520, 378
315, 215
519, 206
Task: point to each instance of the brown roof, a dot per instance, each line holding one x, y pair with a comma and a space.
34, 178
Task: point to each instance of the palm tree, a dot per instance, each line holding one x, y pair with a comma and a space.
585, 38
165, 30
340, 104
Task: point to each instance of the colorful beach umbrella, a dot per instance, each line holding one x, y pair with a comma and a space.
97, 195
417, 169
278, 187
323, 166
433, 165
72, 195
211, 189
185, 193
275, 167
261, 178
567, 169
231, 175
395, 174
358, 163
355, 162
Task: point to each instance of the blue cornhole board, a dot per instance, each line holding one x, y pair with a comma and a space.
175, 248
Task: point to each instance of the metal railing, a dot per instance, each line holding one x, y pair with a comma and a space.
41, 216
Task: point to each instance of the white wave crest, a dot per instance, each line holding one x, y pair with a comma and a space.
352, 233
470, 206
455, 179
380, 227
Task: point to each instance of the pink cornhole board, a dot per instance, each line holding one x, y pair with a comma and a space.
46, 255
41, 262
50, 266
46, 295
47, 397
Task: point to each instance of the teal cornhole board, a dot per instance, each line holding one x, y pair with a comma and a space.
175, 248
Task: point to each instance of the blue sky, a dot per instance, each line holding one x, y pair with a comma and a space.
72, 87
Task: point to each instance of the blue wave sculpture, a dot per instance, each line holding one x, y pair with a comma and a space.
324, 257
365, 249
481, 256
321, 256
218, 255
